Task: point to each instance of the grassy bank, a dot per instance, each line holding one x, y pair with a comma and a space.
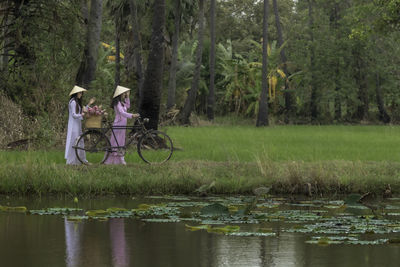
291, 159
324, 178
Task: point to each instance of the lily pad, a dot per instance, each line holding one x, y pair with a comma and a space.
196, 228
76, 218
224, 230
97, 213
156, 220
55, 211
13, 209
251, 234
215, 209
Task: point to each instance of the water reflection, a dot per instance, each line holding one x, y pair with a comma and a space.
80, 251
125, 242
50, 240
255, 251
73, 233
119, 246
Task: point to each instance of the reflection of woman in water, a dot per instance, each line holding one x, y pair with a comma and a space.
73, 233
77, 249
119, 248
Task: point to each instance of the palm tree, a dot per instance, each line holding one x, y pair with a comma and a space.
150, 101
87, 68
262, 117
211, 97
184, 114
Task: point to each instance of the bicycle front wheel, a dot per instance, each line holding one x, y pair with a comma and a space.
92, 147
155, 147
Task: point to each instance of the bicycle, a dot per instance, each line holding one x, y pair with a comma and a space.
153, 146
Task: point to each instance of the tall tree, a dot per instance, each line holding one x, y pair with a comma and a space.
174, 59
137, 51
262, 116
211, 94
337, 53
288, 94
87, 69
184, 114
314, 93
117, 52
150, 101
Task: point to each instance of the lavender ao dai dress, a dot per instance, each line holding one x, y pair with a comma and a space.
121, 118
74, 130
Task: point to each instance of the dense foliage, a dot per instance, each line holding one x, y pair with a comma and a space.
342, 56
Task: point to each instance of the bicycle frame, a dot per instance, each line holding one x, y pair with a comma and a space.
147, 141
140, 128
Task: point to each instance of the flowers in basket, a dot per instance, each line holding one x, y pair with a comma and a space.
95, 111
94, 116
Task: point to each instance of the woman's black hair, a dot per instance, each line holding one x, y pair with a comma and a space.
115, 101
78, 101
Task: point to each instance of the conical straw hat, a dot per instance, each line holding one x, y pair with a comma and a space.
120, 90
77, 89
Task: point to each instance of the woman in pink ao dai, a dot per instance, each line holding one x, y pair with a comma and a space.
120, 104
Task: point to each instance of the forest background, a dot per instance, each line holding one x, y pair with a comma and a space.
327, 61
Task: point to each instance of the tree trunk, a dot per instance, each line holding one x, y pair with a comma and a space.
338, 102
6, 48
262, 117
87, 69
117, 54
314, 96
288, 95
334, 18
137, 52
359, 75
85, 12
174, 59
383, 115
150, 102
211, 93
184, 114
24, 53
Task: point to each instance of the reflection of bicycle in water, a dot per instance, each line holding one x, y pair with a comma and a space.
152, 146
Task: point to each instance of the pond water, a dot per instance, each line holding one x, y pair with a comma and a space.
180, 231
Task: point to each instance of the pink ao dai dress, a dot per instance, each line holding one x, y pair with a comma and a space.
121, 118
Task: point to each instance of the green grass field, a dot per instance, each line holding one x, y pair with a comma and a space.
333, 159
288, 143
280, 143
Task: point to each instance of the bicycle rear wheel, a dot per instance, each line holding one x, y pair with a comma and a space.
155, 147
92, 147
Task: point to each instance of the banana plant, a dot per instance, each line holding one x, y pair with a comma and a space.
242, 79
275, 70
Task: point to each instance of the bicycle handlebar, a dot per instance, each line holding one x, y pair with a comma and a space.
140, 119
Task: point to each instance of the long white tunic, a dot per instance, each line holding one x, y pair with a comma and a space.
74, 130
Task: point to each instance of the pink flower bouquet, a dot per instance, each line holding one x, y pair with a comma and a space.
95, 111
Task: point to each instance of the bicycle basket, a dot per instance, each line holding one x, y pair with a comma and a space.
94, 121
